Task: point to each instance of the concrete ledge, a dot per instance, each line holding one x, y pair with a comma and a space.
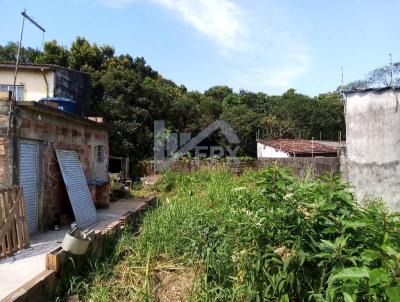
42, 287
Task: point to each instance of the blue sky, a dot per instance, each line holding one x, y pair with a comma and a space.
264, 45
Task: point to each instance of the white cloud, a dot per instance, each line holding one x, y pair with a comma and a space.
279, 76
293, 63
219, 20
262, 49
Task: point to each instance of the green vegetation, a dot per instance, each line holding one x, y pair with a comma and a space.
263, 236
131, 95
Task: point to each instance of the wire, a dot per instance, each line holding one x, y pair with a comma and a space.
41, 47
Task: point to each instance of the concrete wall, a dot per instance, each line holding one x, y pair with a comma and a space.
300, 166
266, 151
304, 166
34, 84
74, 85
373, 145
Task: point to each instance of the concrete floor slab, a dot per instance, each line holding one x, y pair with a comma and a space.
26, 264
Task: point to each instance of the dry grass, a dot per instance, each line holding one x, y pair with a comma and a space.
176, 285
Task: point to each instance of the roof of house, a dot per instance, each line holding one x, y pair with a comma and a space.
36, 106
335, 144
299, 146
31, 66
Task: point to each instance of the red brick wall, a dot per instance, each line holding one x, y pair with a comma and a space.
5, 163
55, 133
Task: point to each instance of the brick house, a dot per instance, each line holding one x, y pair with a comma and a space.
40, 130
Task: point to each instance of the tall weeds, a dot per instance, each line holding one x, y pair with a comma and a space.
260, 237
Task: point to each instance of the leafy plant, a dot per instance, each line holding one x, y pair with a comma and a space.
263, 236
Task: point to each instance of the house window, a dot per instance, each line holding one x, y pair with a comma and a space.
19, 90
100, 153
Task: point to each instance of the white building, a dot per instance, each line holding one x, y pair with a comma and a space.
37, 81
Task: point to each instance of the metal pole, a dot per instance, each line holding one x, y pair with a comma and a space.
391, 71
13, 113
312, 147
341, 68
18, 54
15, 165
33, 21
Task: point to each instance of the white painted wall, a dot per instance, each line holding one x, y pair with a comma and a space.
33, 81
266, 151
373, 145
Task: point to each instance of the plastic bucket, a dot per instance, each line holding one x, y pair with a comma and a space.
75, 243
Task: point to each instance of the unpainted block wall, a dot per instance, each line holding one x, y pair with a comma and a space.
300, 166
55, 133
303, 166
5, 163
5, 146
373, 145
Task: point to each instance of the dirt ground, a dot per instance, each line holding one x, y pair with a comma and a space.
175, 286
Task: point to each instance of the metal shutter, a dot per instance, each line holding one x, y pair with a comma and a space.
77, 188
28, 171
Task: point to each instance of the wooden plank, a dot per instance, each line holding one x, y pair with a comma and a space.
2, 219
19, 222
5, 232
7, 224
14, 234
13, 230
23, 218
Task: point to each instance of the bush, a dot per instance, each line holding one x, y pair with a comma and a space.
270, 237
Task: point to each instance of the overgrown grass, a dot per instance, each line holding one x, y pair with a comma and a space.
258, 237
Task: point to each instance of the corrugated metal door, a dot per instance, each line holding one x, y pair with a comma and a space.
77, 188
28, 175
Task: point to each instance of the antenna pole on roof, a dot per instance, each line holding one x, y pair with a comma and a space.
391, 71
341, 69
25, 16
12, 114
312, 147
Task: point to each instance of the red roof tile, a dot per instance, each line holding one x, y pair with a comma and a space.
298, 146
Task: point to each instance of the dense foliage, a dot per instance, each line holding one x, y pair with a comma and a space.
131, 95
264, 236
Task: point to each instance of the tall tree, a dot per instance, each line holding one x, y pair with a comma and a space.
53, 53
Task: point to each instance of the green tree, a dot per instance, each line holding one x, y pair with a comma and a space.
245, 123
84, 56
8, 53
218, 93
53, 53
130, 95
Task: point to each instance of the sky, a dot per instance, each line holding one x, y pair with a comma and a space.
265, 45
